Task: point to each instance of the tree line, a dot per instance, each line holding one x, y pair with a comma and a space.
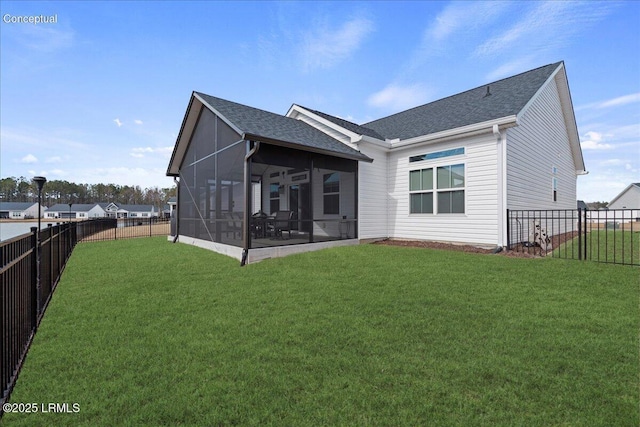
20, 189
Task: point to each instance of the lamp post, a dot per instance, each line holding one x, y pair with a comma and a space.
39, 180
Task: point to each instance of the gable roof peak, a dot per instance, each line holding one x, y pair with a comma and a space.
508, 96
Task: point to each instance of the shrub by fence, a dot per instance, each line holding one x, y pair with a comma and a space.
29, 273
608, 236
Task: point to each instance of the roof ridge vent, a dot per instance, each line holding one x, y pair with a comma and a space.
488, 91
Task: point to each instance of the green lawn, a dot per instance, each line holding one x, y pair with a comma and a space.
612, 246
145, 332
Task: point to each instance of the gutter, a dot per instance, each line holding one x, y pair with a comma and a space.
469, 130
247, 201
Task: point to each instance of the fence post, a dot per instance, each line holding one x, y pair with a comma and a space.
35, 279
585, 234
51, 279
580, 234
508, 231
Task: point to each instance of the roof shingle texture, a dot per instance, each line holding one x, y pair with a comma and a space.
260, 123
508, 97
347, 124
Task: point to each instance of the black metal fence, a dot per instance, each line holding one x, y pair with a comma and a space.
607, 236
29, 273
123, 228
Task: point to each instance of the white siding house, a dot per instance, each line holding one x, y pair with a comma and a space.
19, 210
76, 210
444, 171
523, 157
629, 198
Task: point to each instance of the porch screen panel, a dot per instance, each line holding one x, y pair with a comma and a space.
201, 189
230, 183
294, 180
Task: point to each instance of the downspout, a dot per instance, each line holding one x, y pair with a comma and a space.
175, 180
247, 201
500, 142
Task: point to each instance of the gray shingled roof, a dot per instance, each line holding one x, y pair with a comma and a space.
260, 124
15, 206
361, 130
136, 208
76, 207
508, 97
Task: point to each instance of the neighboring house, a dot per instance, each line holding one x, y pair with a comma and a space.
170, 207
167, 210
117, 210
110, 209
629, 198
136, 211
19, 210
625, 207
444, 171
76, 210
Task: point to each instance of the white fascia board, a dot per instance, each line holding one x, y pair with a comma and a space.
562, 83
476, 128
296, 109
540, 90
570, 119
375, 141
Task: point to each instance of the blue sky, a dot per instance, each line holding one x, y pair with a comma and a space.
99, 95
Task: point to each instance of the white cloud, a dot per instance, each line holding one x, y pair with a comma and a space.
122, 175
117, 122
325, 47
396, 97
545, 26
593, 141
139, 152
29, 158
38, 139
511, 68
621, 100
45, 38
138, 122
462, 17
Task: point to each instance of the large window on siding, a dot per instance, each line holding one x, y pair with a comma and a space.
445, 197
331, 193
421, 191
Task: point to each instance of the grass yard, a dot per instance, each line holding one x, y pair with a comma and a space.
613, 246
145, 332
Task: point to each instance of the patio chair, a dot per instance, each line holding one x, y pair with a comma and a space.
281, 222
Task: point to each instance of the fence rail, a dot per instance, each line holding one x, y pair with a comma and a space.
124, 228
30, 267
607, 236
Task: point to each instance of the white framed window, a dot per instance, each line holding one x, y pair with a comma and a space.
421, 191
437, 190
331, 193
274, 197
